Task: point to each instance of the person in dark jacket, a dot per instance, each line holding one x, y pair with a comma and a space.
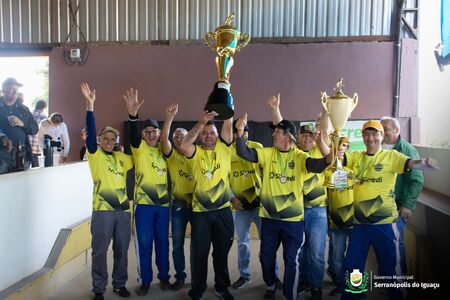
16, 120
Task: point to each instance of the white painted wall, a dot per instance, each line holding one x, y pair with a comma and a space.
434, 86
34, 206
437, 181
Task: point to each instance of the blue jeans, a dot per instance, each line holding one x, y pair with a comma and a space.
152, 225
401, 225
242, 221
313, 255
181, 215
339, 238
330, 252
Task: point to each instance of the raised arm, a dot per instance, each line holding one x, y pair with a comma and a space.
318, 165
325, 126
242, 149
187, 145
428, 164
171, 111
133, 104
274, 104
226, 132
91, 138
321, 143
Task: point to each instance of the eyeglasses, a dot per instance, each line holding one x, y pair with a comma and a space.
150, 132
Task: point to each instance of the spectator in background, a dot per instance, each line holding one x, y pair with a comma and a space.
408, 185
32, 139
57, 129
38, 112
16, 120
83, 148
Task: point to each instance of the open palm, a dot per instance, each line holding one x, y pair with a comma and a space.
131, 97
89, 95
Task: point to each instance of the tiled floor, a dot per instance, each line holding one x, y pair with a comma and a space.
80, 287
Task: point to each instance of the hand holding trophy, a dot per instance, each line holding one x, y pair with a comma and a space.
225, 40
339, 108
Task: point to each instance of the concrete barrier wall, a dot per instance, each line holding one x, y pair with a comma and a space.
35, 205
437, 181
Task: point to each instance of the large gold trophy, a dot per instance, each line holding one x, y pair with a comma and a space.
225, 40
339, 108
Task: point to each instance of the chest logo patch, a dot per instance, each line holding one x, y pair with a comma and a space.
291, 164
378, 167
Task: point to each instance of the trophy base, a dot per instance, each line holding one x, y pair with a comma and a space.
336, 178
221, 101
331, 185
224, 112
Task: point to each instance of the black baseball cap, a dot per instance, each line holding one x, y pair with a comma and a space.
235, 129
286, 125
150, 123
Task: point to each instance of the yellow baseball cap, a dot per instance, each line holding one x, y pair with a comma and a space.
374, 124
343, 139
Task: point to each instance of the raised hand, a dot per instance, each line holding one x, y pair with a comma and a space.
208, 116
84, 134
89, 95
274, 102
240, 124
132, 101
171, 110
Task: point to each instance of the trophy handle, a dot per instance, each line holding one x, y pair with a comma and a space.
242, 41
324, 100
209, 36
355, 100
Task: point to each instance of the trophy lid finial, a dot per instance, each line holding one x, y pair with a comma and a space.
339, 86
229, 19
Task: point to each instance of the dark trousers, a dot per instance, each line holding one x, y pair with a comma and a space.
181, 215
384, 238
214, 227
107, 225
291, 234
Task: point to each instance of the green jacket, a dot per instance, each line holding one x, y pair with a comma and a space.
408, 184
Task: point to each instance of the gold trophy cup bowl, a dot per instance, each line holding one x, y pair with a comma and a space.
339, 107
225, 41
